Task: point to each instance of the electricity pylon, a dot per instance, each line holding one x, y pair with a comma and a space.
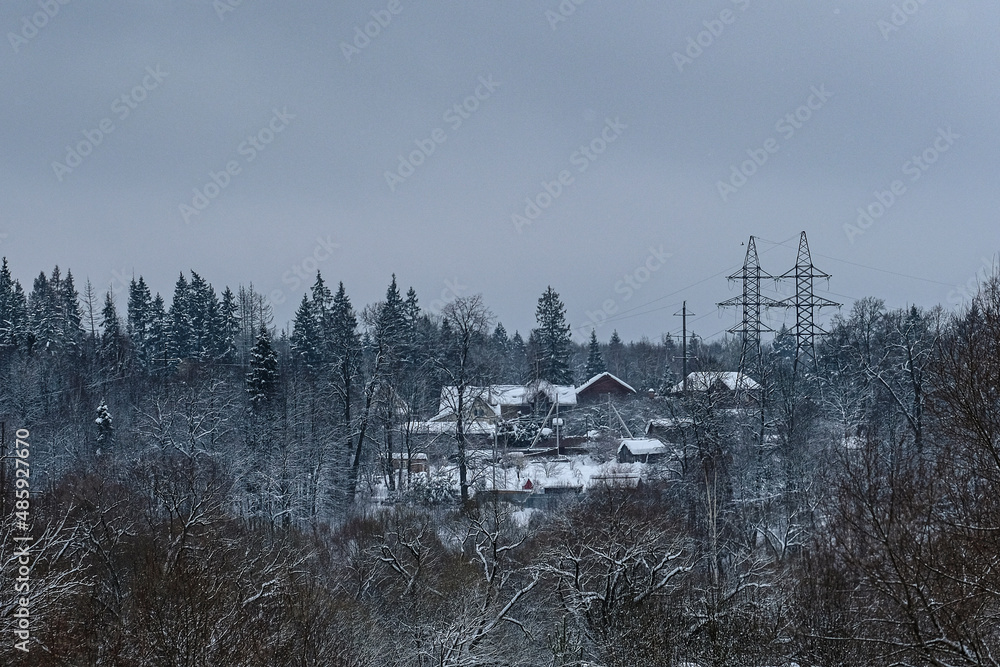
750, 303
806, 304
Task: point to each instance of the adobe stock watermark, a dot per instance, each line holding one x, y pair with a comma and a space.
223, 7
452, 290
714, 29
119, 281
786, 127
629, 284
381, 18
914, 169
963, 294
303, 272
32, 24
562, 12
248, 150
454, 116
899, 17
581, 159
122, 107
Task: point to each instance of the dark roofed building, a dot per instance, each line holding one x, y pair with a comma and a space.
602, 384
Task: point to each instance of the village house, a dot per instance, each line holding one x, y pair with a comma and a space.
602, 385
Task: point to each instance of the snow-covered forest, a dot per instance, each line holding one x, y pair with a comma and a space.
208, 488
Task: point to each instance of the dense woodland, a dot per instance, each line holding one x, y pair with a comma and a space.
209, 490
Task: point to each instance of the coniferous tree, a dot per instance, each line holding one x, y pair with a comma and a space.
180, 340
71, 329
262, 380
105, 428
230, 327
553, 340
616, 355
90, 308
519, 355
158, 344
345, 353
392, 325
139, 315
206, 320
112, 337
13, 310
44, 316
306, 342
413, 351
595, 362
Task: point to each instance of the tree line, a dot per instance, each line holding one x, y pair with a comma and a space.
209, 490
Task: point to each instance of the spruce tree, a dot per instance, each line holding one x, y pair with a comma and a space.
105, 428
44, 317
112, 338
13, 310
158, 344
262, 380
139, 324
345, 353
392, 324
230, 327
307, 343
553, 340
70, 317
519, 354
595, 362
180, 337
616, 352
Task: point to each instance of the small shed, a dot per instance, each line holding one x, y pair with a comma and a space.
641, 450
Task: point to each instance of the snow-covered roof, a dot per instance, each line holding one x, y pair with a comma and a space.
436, 427
704, 380
668, 422
402, 456
601, 376
642, 446
500, 395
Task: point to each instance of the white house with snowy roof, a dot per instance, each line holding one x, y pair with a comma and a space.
641, 450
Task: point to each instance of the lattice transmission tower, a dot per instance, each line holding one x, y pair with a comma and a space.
806, 304
750, 304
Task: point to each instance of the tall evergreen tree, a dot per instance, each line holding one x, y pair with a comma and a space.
181, 335
68, 299
205, 318
230, 327
307, 343
595, 362
519, 354
553, 340
139, 320
112, 336
158, 344
262, 379
44, 315
90, 309
392, 325
13, 310
345, 351
616, 354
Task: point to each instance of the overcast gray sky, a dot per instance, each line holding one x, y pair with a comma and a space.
622, 122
